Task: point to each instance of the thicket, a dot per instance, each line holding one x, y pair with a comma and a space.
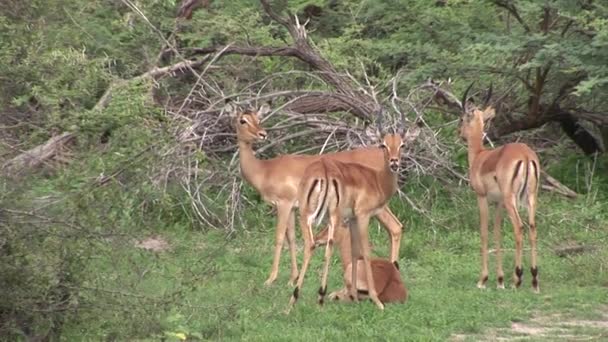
136, 89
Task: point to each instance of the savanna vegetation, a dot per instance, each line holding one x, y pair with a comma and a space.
123, 215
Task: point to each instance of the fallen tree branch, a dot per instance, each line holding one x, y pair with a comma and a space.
40, 154
360, 103
568, 250
555, 186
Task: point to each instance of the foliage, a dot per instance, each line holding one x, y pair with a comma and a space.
69, 267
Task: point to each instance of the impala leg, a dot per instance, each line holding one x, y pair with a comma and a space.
394, 229
283, 213
335, 221
483, 226
321, 237
291, 239
500, 275
510, 205
532, 222
341, 295
308, 249
355, 251
362, 223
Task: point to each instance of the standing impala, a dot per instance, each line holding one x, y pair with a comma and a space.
387, 279
347, 190
277, 181
506, 176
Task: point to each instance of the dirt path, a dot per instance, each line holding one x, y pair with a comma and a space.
554, 327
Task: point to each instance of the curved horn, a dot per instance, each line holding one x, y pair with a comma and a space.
488, 96
465, 97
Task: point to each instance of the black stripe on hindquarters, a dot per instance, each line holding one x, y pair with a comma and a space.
335, 182
312, 188
516, 173
536, 170
525, 185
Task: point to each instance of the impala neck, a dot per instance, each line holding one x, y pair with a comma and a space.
250, 165
474, 144
388, 180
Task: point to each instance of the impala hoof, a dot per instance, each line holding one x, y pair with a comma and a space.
269, 281
293, 281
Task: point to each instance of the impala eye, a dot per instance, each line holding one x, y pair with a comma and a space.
243, 121
382, 146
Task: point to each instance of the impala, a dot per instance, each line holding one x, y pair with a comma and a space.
277, 181
387, 279
505, 176
347, 190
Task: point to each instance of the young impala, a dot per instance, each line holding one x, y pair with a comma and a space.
506, 176
347, 190
277, 181
387, 279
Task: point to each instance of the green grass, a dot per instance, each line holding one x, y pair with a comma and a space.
210, 286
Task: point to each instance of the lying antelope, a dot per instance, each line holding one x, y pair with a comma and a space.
506, 176
277, 182
387, 279
347, 190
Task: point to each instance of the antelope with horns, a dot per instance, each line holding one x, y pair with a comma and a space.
277, 181
505, 176
387, 279
347, 190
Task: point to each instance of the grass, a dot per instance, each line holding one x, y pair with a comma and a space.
208, 286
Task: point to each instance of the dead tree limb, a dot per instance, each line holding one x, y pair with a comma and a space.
40, 154
349, 96
188, 7
443, 97
555, 186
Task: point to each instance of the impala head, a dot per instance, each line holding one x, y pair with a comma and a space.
247, 122
392, 143
472, 118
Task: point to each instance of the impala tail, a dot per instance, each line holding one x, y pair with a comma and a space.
322, 194
525, 180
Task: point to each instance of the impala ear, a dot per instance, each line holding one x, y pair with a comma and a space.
231, 109
411, 134
488, 113
373, 134
263, 110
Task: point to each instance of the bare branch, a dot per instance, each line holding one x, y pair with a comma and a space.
510, 7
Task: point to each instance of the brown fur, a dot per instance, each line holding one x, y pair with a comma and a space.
505, 176
277, 181
387, 279
346, 190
